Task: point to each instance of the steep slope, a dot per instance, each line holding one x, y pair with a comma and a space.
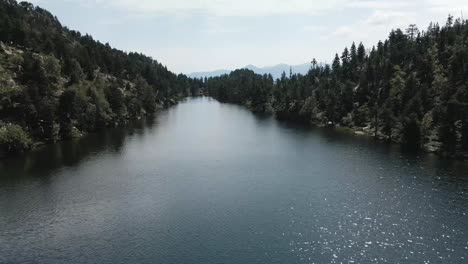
411, 89
57, 84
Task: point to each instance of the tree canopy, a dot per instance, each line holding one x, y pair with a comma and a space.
411, 88
57, 83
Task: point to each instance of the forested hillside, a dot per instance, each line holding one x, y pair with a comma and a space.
411, 88
56, 83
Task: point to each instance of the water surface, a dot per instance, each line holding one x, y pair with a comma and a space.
205, 182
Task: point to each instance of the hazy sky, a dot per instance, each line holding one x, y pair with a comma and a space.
200, 35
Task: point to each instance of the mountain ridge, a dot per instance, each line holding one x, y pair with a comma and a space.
274, 70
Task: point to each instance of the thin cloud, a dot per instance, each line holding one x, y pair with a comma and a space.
378, 24
222, 7
315, 28
384, 5
239, 32
269, 7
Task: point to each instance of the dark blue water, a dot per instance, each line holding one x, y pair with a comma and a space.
205, 182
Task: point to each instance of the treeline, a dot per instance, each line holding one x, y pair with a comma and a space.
411, 88
56, 83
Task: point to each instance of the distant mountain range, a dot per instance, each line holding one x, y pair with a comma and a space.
275, 71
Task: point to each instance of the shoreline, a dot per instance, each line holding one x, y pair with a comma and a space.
36, 145
431, 147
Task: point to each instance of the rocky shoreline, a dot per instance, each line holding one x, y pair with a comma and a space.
76, 133
307, 112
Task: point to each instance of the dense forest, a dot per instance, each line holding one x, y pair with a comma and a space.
56, 83
411, 88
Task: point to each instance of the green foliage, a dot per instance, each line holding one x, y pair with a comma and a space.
241, 86
397, 86
410, 88
13, 138
56, 83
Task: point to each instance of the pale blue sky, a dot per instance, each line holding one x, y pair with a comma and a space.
202, 35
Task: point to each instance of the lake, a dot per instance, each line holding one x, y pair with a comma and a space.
205, 182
